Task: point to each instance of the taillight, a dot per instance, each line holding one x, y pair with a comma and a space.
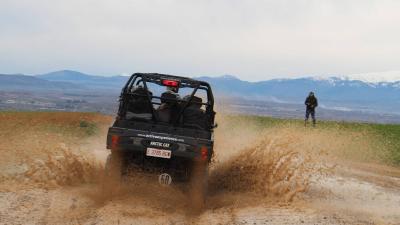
114, 141
170, 83
204, 153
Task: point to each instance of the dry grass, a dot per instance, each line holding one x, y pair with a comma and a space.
30, 135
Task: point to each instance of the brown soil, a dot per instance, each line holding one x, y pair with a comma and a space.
51, 173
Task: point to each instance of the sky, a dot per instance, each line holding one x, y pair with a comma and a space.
251, 39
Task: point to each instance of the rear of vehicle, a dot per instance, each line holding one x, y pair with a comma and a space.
159, 133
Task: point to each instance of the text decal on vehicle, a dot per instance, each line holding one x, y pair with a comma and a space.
160, 144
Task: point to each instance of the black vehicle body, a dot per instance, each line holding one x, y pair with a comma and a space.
185, 144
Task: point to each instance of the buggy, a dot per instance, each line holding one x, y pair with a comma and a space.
161, 133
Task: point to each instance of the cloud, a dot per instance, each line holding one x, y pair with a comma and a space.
251, 39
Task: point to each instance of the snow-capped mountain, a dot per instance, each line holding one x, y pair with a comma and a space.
333, 92
351, 80
377, 77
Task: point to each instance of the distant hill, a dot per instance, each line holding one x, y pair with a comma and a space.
339, 93
90, 81
293, 89
333, 93
19, 82
67, 75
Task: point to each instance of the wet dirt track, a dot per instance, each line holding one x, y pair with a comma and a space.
269, 177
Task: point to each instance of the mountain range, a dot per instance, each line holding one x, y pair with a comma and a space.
339, 93
333, 92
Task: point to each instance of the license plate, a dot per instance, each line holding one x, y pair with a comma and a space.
160, 153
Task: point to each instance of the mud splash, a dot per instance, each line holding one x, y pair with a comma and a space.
63, 168
271, 167
257, 176
269, 163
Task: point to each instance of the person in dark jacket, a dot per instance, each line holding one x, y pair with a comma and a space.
311, 103
193, 115
168, 109
138, 104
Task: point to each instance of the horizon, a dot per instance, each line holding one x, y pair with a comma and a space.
373, 77
337, 94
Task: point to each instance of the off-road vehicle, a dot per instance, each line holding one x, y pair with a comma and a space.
160, 132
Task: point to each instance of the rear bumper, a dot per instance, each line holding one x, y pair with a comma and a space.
135, 141
189, 155
178, 167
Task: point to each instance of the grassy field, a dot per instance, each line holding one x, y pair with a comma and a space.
366, 141
57, 123
363, 142
31, 135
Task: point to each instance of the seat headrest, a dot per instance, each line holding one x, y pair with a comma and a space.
167, 97
140, 90
195, 100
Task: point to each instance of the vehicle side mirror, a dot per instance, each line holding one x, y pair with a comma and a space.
215, 125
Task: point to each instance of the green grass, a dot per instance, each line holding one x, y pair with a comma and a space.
390, 138
88, 127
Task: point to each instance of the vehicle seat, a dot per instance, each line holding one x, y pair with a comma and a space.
138, 105
194, 116
168, 108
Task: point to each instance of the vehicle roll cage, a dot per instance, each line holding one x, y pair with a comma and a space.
183, 82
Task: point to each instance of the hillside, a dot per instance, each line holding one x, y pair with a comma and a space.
19, 82
88, 81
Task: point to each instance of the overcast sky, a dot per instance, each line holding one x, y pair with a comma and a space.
253, 40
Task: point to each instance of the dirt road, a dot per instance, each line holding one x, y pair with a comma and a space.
272, 177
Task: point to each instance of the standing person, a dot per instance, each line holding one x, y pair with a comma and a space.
169, 107
311, 103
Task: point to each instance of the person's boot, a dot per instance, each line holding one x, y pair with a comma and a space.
314, 123
305, 122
